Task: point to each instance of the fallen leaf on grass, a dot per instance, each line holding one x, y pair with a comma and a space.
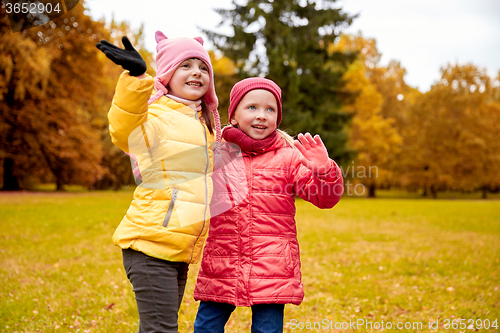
109, 306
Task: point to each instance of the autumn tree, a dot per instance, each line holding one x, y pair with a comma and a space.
225, 76
452, 142
374, 133
48, 77
286, 41
56, 89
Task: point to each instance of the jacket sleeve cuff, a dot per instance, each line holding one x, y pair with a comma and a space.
332, 174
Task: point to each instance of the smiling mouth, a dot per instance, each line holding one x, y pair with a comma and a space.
261, 127
194, 84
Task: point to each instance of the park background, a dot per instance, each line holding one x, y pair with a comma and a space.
426, 249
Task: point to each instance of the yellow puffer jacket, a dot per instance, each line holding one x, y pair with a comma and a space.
169, 214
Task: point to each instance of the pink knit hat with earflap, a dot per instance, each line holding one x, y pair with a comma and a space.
170, 54
241, 88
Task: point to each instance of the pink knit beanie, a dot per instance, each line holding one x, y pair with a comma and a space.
170, 54
241, 88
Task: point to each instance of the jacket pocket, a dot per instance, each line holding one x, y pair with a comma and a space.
170, 207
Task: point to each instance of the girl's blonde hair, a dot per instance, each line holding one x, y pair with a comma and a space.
287, 138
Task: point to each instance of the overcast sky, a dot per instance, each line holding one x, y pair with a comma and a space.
423, 35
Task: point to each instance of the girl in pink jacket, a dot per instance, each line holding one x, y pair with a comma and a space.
251, 257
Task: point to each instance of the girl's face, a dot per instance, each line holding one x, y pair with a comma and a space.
257, 113
190, 80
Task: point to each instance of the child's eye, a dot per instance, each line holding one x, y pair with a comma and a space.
270, 110
251, 107
185, 65
203, 68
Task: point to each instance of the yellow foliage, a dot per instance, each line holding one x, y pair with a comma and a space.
221, 64
452, 139
372, 135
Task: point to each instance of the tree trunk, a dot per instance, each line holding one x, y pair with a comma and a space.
425, 192
60, 184
10, 182
433, 192
371, 191
485, 192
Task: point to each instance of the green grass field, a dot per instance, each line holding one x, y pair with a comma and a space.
392, 260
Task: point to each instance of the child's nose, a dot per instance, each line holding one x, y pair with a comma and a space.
261, 115
196, 71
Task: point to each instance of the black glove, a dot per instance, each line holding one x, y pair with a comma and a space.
129, 58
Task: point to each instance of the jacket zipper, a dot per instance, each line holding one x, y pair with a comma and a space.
170, 207
206, 190
174, 196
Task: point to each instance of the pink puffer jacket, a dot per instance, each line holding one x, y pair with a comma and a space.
252, 253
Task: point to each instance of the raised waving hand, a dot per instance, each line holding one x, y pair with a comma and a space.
314, 153
128, 58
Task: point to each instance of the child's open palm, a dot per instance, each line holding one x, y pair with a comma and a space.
128, 58
314, 153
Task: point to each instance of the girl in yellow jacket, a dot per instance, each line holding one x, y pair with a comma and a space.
165, 124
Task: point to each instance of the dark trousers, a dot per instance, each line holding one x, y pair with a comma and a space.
212, 317
158, 286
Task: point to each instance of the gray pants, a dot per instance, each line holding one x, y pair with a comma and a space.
158, 286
